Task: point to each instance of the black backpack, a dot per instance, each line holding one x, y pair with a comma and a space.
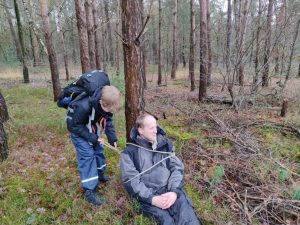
86, 84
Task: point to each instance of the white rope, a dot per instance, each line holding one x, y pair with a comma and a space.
171, 154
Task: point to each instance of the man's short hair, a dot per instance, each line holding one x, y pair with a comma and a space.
111, 98
139, 122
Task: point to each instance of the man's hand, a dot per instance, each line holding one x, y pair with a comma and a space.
115, 144
158, 201
165, 200
170, 199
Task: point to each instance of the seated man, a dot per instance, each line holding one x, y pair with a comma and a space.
154, 175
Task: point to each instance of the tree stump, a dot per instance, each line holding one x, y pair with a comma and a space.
3, 138
284, 108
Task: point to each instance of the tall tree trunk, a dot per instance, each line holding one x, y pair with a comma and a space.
62, 42
72, 40
228, 39
108, 30
192, 46
131, 27
29, 11
159, 79
209, 52
203, 51
292, 52
3, 138
13, 32
50, 49
97, 35
20, 32
118, 40
257, 41
174, 47
242, 51
183, 52
83, 37
267, 50
143, 49
90, 32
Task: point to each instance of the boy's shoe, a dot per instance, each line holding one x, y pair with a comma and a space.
103, 178
93, 197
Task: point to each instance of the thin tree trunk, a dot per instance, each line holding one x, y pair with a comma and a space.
90, 32
292, 52
97, 35
143, 49
108, 30
62, 41
72, 40
3, 138
159, 79
209, 52
228, 39
33, 38
267, 50
192, 46
13, 32
174, 47
256, 60
20, 32
50, 48
131, 27
203, 51
118, 40
83, 37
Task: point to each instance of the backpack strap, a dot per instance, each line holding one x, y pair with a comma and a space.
91, 118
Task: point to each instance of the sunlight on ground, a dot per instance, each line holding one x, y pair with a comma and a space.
11, 73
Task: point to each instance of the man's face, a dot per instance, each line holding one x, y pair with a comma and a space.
149, 130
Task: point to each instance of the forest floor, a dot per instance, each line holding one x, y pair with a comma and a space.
241, 166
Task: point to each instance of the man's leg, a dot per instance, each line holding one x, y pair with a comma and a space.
87, 166
161, 216
182, 211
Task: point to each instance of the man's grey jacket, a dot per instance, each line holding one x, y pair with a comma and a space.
164, 177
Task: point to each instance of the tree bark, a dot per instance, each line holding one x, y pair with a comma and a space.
267, 50
20, 32
203, 51
257, 41
13, 32
97, 36
62, 41
159, 79
50, 48
90, 32
131, 27
118, 40
209, 52
108, 30
192, 46
29, 11
228, 39
174, 47
3, 138
292, 51
83, 37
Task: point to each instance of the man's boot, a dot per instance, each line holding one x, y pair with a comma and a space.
93, 197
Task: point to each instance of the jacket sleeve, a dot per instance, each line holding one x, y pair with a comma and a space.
135, 187
175, 182
110, 131
77, 119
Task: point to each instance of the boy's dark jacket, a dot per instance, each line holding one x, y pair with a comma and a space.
80, 113
166, 176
